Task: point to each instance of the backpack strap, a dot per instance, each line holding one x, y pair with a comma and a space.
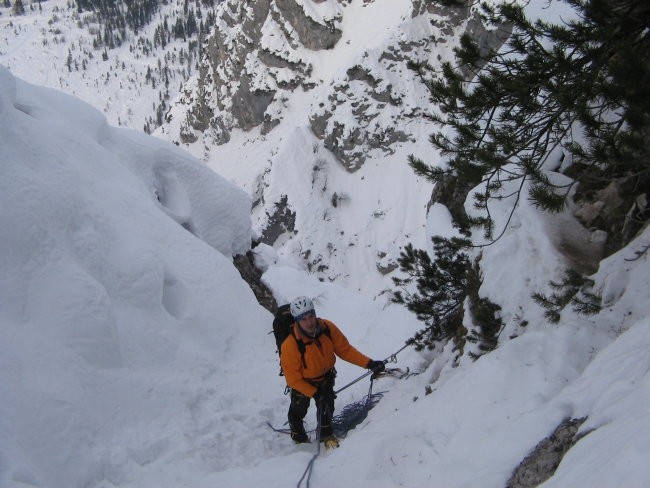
301, 348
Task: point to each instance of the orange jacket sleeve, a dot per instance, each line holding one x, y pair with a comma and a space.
344, 349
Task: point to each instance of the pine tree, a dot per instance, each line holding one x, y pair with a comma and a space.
579, 86
190, 24
179, 29
19, 7
574, 290
441, 288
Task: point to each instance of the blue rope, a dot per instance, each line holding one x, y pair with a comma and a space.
310, 466
355, 413
351, 416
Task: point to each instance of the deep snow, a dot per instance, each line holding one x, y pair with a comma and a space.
132, 354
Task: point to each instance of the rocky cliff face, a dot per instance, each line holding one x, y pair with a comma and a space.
255, 55
325, 87
264, 50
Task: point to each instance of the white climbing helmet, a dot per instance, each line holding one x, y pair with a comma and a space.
300, 306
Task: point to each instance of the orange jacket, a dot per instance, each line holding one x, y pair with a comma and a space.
320, 356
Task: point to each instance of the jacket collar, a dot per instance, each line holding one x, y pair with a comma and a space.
303, 336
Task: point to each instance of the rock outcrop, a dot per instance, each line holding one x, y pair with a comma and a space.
263, 50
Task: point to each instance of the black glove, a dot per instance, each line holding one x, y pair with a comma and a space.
376, 366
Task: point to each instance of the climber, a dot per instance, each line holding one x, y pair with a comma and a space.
307, 359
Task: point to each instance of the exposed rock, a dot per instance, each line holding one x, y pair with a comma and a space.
229, 97
386, 265
350, 143
245, 73
268, 124
188, 135
582, 248
369, 93
241, 75
452, 195
312, 35
606, 202
248, 106
272, 60
281, 222
540, 464
637, 217
620, 210
486, 40
253, 276
220, 132
447, 17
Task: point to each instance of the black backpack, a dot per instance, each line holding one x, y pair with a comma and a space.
283, 327
282, 323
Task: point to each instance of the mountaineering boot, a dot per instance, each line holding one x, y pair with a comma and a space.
298, 433
331, 442
299, 437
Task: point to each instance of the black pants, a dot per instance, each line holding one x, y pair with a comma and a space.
324, 408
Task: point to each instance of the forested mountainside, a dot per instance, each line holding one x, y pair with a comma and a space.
127, 58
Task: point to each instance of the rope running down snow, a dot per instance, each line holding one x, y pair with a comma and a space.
310, 465
370, 401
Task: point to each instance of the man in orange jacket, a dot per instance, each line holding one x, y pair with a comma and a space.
307, 358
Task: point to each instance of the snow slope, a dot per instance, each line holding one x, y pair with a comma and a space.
132, 354
105, 298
